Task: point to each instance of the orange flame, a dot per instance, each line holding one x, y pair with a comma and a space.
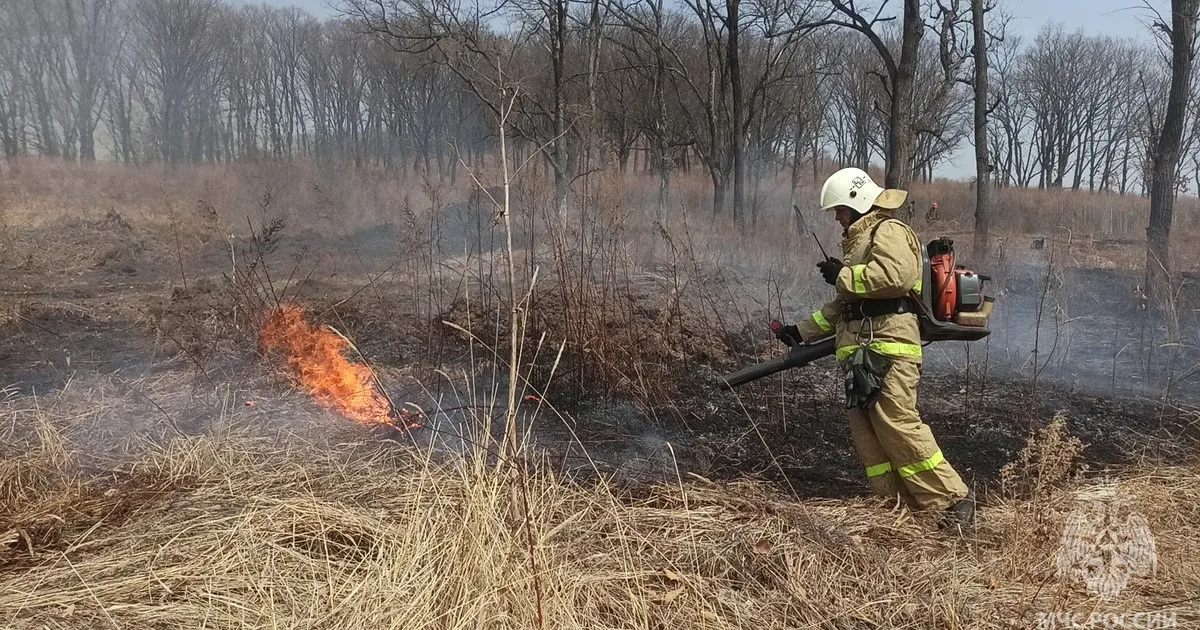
317, 362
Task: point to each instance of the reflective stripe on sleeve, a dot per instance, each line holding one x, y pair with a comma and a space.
922, 466
822, 323
917, 286
860, 287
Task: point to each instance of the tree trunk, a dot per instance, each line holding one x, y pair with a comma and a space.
593, 157
900, 133
85, 127
662, 158
1166, 156
797, 148
558, 35
983, 167
736, 139
1124, 168
720, 183
8, 137
49, 138
664, 191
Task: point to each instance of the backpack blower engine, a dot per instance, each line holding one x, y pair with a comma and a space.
952, 297
951, 306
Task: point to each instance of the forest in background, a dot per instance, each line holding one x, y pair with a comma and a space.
622, 84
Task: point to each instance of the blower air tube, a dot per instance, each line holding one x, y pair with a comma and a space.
799, 355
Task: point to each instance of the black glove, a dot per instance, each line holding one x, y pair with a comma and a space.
830, 269
789, 335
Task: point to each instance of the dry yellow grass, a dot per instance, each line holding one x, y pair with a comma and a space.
233, 531
337, 197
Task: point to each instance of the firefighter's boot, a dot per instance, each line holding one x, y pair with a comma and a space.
961, 515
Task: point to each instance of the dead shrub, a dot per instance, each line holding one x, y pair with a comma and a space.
627, 326
1048, 461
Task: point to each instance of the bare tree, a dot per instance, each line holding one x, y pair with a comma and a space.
1070, 110
39, 68
899, 79
546, 20
91, 30
1181, 34
541, 112
122, 78
983, 164
703, 87
745, 88
648, 47
818, 60
737, 136
14, 46
1060, 74
857, 124
940, 100
181, 47
1010, 116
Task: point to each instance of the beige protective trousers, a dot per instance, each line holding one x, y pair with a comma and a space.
898, 449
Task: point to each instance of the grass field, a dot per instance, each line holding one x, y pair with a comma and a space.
158, 471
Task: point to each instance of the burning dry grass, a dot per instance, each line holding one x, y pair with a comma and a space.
316, 360
233, 531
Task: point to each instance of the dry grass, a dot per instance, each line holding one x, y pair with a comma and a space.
233, 531
336, 199
1093, 229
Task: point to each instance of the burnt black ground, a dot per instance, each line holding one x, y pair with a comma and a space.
1097, 363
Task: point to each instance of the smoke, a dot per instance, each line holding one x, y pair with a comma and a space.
1086, 329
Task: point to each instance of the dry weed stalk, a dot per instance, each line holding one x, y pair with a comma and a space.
1048, 461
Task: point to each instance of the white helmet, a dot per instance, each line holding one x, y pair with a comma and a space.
852, 187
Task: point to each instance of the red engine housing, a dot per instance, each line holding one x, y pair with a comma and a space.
944, 292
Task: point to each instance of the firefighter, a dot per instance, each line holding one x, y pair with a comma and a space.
878, 345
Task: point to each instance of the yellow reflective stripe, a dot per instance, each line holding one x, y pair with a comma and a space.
821, 322
879, 469
917, 286
894, 349
860, 287
922, 466
890, 348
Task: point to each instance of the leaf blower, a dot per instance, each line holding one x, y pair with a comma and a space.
955, 293
951, 306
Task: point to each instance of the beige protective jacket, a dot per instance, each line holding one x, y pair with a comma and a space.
890, 268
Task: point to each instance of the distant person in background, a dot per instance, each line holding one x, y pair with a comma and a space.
932, 215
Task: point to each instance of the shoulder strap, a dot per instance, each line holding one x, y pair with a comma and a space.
916, 297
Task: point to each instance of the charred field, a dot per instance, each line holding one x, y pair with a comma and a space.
156, 465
